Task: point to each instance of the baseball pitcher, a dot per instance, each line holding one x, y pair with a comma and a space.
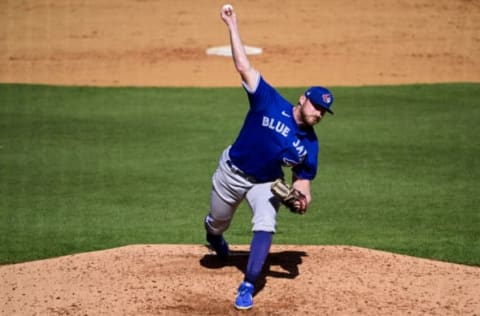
275, 134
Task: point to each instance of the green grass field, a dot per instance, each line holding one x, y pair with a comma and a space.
92, 168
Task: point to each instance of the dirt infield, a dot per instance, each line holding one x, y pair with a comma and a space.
188, 280
163, 43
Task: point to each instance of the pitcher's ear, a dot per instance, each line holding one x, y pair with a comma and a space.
301, 99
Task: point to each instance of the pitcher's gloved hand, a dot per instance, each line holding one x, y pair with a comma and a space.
292, 198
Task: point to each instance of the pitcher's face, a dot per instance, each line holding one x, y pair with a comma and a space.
310, 115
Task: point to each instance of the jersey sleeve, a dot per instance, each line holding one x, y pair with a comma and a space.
262, 95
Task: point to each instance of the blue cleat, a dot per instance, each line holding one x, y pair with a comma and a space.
244, 298
219, 245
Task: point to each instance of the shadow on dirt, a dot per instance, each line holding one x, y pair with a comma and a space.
286, 261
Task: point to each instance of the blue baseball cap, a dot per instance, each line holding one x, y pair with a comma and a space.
320, 97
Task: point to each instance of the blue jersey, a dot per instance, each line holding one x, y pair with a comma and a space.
270, 139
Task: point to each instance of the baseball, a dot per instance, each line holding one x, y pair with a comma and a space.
227, 9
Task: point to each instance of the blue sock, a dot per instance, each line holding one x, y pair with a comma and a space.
259, 248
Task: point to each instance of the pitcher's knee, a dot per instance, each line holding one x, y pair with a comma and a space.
216, 226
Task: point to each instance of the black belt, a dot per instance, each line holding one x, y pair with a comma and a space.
236, 170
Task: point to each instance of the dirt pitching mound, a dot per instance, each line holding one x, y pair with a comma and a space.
189, 280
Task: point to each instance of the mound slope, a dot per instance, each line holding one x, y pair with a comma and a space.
188, 280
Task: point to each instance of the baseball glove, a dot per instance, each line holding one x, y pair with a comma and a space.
293, 199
